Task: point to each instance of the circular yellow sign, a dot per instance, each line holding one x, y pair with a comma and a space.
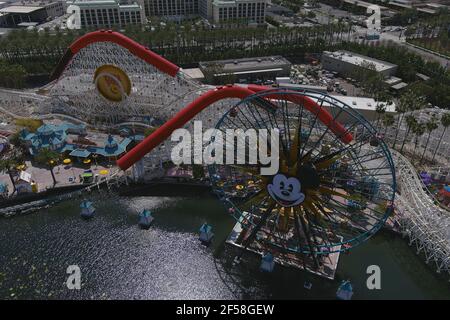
112, 82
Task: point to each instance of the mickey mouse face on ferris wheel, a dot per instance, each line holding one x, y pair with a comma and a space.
286, 191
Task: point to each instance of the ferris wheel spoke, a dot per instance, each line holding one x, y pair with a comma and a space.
361, 142
284, 148
316, 115
311, 239
348, 147
366, 157
316, 145
287, 125
255, 114
350, 215
258, 226
237, 116
297, 227
238, 138
256, 110
358, 191
256, 201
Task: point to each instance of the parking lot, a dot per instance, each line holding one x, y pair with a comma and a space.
314, 75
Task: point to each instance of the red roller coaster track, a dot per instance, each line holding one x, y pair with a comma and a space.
196, 106
110, 36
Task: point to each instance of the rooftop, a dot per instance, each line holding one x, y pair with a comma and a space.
27, 24
20, 9
363, 4
399, 86
235, 65
357, 59
194, 73
82, 153
361, 103
33, 3
87, 3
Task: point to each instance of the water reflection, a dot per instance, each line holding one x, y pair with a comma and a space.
120, 261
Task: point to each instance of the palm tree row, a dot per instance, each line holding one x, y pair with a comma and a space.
407, 104
182, 44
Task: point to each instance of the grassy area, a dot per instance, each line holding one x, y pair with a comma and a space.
31, 124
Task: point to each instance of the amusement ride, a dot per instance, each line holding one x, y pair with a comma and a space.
336, 182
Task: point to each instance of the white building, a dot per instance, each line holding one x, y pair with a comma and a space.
345, 62
216, 11
365, 106
108, 13
252, 11
177, 9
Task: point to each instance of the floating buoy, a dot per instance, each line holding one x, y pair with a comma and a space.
87, 209
206, 234
267, 263
307, 285
145, 219
345, 290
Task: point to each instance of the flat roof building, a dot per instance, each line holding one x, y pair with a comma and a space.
345, 62
13, 15
251, 68
216, 11
108, 13
31, 11
252, 11
365, 106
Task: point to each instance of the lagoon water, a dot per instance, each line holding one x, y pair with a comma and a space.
120, 261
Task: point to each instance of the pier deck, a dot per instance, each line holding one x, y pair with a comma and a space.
327, 269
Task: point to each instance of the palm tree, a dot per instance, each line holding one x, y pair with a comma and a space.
410, 123
380, 109
418, 130
388, 121
7, 165
48, 158
445, 121
430, 126
409, 101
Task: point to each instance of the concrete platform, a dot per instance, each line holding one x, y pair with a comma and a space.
326, 270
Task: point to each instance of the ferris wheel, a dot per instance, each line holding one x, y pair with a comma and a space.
336, 180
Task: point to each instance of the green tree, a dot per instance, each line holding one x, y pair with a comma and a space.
418, 130
430, 126
445, 122
388, 121
408, 101
9, 162
411, 122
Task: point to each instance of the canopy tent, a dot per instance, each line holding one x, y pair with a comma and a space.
80, 153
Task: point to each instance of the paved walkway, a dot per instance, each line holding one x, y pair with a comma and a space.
65, 175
